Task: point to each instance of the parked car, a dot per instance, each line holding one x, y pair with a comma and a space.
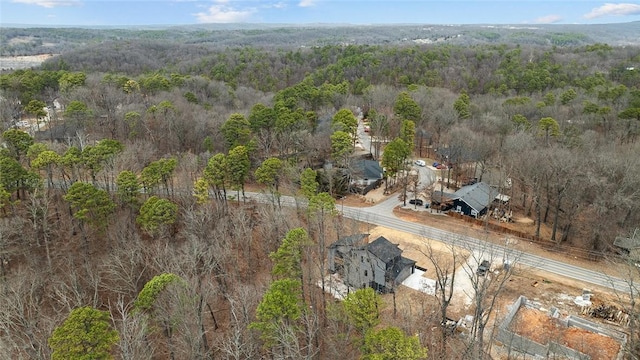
418, 202
420, 163
483, 268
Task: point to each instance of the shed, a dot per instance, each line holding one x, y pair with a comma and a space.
629, 245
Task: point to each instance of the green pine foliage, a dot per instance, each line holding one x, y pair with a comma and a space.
90, 204
391, 343
281, 305
287, 260
362, 308
86, 334
155, 213
149, 293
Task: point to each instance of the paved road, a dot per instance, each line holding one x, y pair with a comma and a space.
426, 175
382, 215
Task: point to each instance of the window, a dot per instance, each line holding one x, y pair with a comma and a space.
366, 273
361, 258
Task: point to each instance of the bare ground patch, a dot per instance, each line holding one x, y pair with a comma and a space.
540, 327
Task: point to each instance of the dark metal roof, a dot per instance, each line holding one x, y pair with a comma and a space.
60, 133
383, 249
478, 195
352, 240
441, 196
367, 169
401, 264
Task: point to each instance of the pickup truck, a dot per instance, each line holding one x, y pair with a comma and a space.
483, 268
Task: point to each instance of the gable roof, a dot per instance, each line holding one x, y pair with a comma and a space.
401, 264
352, 240
383, 249
478, 196
368, 169
628, 243
441, 196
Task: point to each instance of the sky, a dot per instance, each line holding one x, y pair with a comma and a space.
183, 12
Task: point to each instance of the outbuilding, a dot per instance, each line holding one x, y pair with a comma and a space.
629, 246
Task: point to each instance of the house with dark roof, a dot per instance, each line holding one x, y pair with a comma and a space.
366, 172
441, 200
473, 200
378, 264
341, 248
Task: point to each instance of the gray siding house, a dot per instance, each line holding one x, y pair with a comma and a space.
378, 264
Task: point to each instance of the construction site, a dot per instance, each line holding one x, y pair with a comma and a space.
533, 330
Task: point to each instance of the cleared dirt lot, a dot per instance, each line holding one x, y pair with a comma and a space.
541, 328
545, 288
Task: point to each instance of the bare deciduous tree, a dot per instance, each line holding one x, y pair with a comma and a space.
24, 326
444, 268
487, 287
133, 328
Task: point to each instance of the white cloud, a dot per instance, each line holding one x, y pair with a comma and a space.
49, 3
549, 19
224, 14
307, 3
610, 9
274, 5
280, 5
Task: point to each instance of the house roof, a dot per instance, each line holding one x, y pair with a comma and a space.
401, 265
352, 240
368, 169
441, 196
59, 132
383, 249
478, 196
628, 243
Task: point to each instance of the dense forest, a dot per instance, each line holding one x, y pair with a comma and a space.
15, 41
123, 207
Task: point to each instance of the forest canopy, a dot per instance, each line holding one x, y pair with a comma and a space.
127, 160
